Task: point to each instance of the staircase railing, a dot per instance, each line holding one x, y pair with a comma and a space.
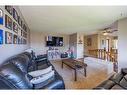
110, 55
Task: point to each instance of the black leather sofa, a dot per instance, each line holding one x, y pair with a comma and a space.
14, 73
116, 81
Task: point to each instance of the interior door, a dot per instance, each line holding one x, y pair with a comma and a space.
107, 45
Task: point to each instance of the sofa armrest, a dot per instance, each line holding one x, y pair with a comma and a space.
124, 70
41, 58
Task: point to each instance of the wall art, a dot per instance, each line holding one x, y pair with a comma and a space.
15, 27
15, 39
15, 14
22, 33
8, 38
89, 41
9, 9
1, 36
8, 22
1, 17
19, 20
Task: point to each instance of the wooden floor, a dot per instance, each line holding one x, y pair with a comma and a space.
94, 76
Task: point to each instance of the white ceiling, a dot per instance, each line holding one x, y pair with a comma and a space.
71, 19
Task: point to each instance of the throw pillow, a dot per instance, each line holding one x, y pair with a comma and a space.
42, 78
40, 72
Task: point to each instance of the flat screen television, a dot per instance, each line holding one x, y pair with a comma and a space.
54, 41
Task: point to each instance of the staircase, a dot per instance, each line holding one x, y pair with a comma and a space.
109, 56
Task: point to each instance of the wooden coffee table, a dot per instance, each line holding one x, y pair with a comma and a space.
75, 65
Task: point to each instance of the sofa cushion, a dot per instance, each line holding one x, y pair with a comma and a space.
117, 87
123, 83
116, 77
20, 63
15, 76
108, 84
40, 72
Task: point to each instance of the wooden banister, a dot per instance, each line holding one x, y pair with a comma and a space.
110, 55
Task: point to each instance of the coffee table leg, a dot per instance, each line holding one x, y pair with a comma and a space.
85, 72
75, 75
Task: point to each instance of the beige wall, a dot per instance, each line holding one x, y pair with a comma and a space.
103, 37
122, 43
37, 42
80, 47
8, 50
73, 43
75, 46
97, 42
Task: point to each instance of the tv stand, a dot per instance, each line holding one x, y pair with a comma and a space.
53, 54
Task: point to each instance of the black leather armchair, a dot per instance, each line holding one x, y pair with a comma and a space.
14, 74
116, 81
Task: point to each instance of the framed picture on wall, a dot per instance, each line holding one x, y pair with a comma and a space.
15, 14
15, 39
15, 27
8, 22
1, 36
21, 23
19, 20
8, 37
9, 9
1, 17
22, 33
89, 41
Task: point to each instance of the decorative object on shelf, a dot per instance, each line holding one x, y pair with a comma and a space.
9, 9
1, 17
19, 32
70, 53
80, 40
8, 38
19, 40
1, 36
15, 14
64, 55
24, 34
15, 39
19, 20
8, 22
89, 41
24, 41
15, 27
